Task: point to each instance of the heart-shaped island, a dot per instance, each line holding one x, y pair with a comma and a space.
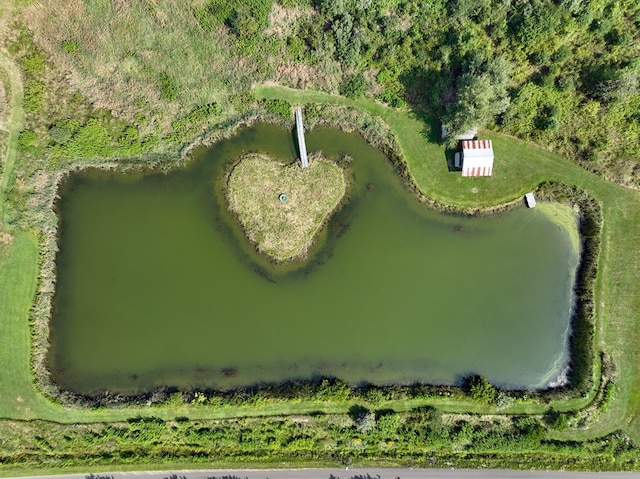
282, 207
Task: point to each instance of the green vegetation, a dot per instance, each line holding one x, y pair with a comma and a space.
563, 74
245, 19
284, 229
354, 86
195, 120
167, 87
418, 439
481, 390
279, 108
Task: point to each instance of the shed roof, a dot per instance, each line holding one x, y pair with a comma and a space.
477, 148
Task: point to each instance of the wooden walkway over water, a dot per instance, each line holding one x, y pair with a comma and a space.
301, 143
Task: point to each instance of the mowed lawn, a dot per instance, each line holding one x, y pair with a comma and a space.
18, 278
519, 167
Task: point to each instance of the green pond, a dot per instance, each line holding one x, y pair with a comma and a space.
157, 284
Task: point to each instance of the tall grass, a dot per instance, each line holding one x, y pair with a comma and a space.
138, 57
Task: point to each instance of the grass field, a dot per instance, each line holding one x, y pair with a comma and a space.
136, 55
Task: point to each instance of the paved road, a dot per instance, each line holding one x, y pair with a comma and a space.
373, 473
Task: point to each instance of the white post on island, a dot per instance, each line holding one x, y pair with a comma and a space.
301, 144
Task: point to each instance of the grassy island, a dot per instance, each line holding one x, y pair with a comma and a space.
283, 227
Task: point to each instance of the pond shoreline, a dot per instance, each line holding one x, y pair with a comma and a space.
387, 142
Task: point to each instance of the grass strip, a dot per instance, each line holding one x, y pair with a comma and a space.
18, 279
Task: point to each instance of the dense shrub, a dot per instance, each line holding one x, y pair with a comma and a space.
28, 141
480, 389
34, 91
332, 390
363, 419
91, 140
529, 427
608, 396
279, 108
60, 134
167, 87
353, 86
245, 18
195, 119
561, 73
424, 421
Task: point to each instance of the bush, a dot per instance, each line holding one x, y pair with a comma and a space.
363, 419
332, 390
608, 395
245, 18
425, 421
197, 117
280, 108
27, 141
388, 422
69, 46
529, 427
556, 419
392, 99
503, 400
354, 86
33, 65
92, 140
33, 96
167, 87
60, 134
480, 389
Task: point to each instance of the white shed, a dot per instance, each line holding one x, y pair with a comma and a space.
477, 158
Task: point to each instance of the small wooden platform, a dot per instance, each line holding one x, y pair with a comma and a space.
530, 199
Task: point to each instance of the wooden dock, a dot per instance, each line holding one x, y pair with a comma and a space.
530, 199
301, 143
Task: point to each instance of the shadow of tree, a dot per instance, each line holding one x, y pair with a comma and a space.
450, 156
427, 92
